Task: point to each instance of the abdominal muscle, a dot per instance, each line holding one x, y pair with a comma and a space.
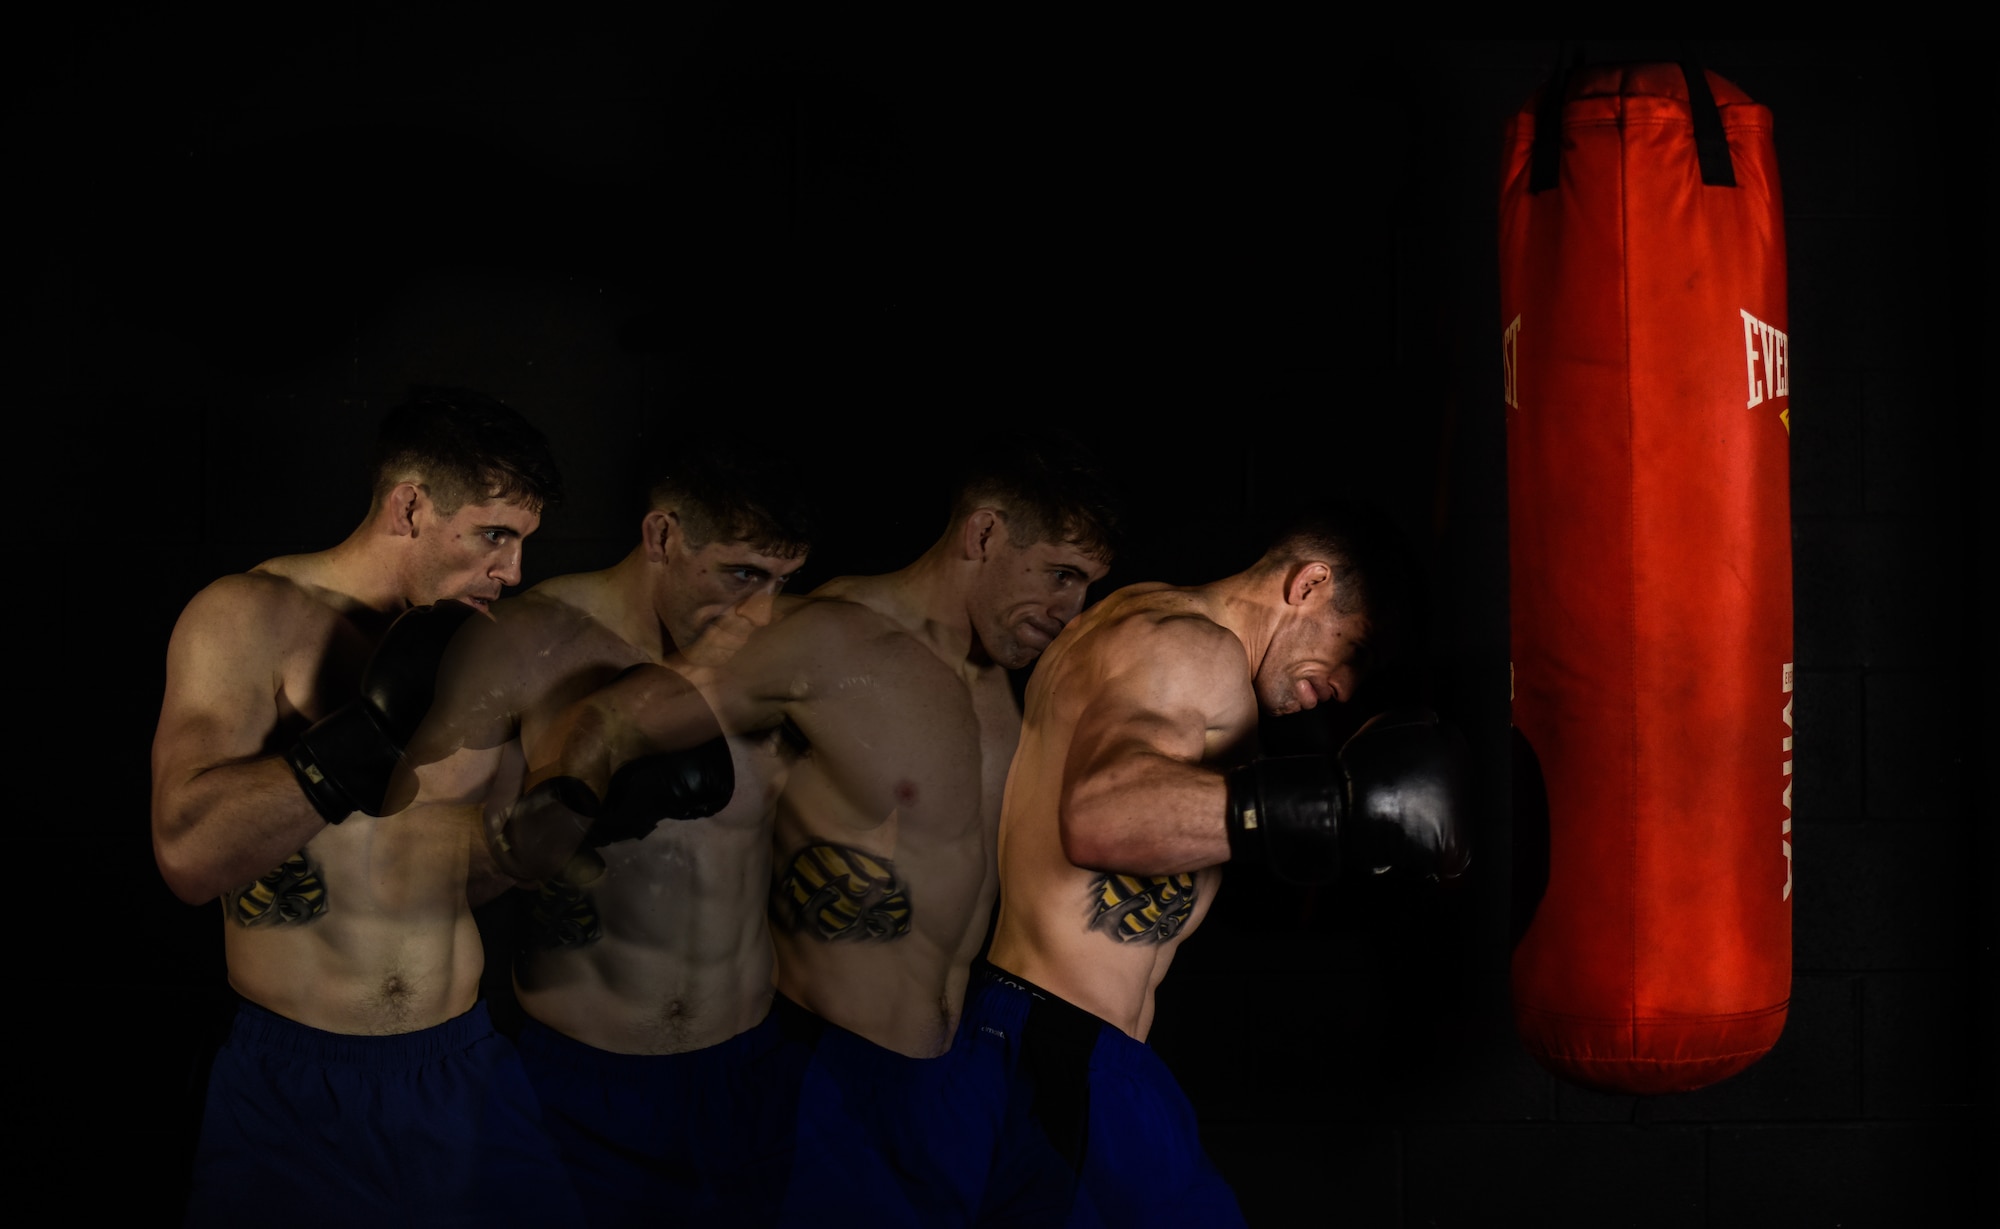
395, 949
684, 958
901, 990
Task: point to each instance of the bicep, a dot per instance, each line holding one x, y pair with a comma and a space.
1136, 778
1117, 739
221, 701
1155, 712
777, 668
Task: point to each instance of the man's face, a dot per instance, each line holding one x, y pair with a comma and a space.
1315, 658
1025, 595
471, 555
695, 586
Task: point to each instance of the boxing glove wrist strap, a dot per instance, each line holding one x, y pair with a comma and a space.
344, 763
1285, 813
332, 802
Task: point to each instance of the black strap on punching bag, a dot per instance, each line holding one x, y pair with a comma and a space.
1545, 159
1711, 146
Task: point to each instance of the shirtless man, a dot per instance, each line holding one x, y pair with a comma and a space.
894, 691
348, 933
647, 979
1135, 779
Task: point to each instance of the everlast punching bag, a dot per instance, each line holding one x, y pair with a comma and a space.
1643, 318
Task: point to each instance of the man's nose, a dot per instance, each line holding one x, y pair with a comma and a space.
1344, 680
508, 570
758, 607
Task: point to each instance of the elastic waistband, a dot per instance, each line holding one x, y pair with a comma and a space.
985, 973
1006, 998
264, 1029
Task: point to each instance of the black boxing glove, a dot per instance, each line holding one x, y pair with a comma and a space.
564, 819
1393, 797
691, 784
345, 760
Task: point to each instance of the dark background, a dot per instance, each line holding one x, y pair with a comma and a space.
1248, 262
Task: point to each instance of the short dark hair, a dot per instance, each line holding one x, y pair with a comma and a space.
463, 446
1048, 486
728, 489
1371, 562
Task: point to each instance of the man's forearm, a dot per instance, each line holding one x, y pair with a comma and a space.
485, 880
539, 834
1146, 814
229, 825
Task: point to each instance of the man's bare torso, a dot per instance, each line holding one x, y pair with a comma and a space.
367, 929
668, 950
883, 882
1103, 937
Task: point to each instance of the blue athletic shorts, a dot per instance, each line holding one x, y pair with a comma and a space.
439, 1127
696, 1139
1097, 1133
888, 1141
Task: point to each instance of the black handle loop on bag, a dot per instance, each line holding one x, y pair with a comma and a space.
1711, 145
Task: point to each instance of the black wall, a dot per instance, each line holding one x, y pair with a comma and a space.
1249, 262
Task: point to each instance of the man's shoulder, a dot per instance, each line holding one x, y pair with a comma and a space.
257, 619
577, 590
1159, 616
264, 596
543, 635
1159, 631
834, 618
556, 607
820, 636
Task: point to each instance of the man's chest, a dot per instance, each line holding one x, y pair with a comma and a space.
930, 749
320, 670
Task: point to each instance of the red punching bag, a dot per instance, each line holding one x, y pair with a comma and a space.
1642, 291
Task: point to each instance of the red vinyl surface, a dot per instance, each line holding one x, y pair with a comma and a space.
1643, 314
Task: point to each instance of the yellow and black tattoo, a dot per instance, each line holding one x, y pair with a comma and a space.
833, 892
1141, 908
563, 916
290, 895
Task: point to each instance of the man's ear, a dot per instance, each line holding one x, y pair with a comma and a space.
656, 531
406, 503
979, 533
1308, 581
